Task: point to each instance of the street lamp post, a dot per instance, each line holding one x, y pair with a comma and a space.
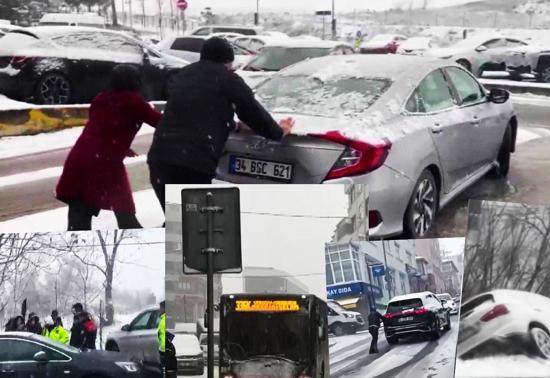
257, 15
333, 22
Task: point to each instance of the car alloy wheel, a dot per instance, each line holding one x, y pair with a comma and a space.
541, 339
436, 331
54, 89
422, 208
504, 155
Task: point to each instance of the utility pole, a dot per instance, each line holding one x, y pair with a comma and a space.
388, 276
257, 15
131, 15
333, 22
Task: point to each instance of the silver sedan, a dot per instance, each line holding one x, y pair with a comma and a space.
417, 131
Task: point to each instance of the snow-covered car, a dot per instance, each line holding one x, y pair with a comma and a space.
342, 321
479, 54
415, 314
533, 59
505, 321
417, 131
25, 354
188, 354
229, 36
138, 338
416, 46
448, 302
211, 29
255, 43
62, 65
189, 49
275, 34
382, 44
72, 19
279, 55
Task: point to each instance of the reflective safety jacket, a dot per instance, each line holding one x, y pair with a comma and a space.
161, 333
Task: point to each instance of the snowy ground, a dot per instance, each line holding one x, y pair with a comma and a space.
503, 367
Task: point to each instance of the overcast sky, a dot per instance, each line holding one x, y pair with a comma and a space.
295, 245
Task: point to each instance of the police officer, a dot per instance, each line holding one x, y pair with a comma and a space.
374, 319
55, 331
161, 332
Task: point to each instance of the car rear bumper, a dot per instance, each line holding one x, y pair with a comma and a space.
16, 86
409, 329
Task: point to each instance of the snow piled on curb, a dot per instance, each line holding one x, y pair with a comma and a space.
503, 367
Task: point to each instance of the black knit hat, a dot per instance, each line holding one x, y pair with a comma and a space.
125, 77
217, 50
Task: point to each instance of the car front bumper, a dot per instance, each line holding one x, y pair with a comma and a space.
190, 365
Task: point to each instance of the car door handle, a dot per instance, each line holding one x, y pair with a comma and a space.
437, 129
476, 121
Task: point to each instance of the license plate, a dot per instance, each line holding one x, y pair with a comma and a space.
263, 168
406, 319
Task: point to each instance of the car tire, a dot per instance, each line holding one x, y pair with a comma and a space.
448, 325
540, 338
53, 88
338, 329
504, 155
351, 330
392, 340
424, 198
464, 63
112, 346
436, 331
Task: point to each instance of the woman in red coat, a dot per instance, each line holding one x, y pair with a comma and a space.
94, 177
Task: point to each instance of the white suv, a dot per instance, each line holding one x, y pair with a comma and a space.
342, 321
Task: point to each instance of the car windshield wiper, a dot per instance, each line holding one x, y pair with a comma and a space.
276, 356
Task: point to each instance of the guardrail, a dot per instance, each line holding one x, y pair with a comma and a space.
47, 118
518, 87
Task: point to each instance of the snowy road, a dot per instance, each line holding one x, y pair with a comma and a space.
411, 358
30, 167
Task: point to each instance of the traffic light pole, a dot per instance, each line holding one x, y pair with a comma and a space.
210, 251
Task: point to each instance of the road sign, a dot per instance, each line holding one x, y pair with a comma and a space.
323, 13
181, 4
216, 210
378, 270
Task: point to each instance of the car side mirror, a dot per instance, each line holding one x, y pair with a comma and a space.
498, 96
481, 48
41, 357
126, 328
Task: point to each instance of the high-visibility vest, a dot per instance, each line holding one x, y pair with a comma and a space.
59, 334
161, 333
45, 332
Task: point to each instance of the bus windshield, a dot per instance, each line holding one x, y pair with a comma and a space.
252, 335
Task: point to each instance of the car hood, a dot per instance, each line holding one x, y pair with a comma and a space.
254, 78
184, 348
102, 356
442, 52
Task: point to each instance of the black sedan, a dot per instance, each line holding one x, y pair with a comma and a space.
64, 65
25, 355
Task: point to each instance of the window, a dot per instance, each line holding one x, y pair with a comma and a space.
515, 43
330, 279
141, 322
243, 42
495, 43
188, 44
347, 268
22, 350
432, 95
469, 91
256, 44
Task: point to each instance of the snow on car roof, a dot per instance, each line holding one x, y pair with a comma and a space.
305, 43
411, 296
393, 67
47, 31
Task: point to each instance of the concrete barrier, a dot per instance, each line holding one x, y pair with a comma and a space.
43, 119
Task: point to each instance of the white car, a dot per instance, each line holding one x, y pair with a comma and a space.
228, 35
139, 338
416, 46
482, 53
72, 19
188, 354
205, 31
382, 44
505, 320
255, 43
448, 303
281, 54
342, 321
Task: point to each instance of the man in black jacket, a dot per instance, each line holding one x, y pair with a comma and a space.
84, 329
199, 114
374, 319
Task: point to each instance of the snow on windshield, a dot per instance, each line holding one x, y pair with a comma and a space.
277, 58
310, 95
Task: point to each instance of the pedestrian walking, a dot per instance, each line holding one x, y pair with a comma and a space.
94, 177
84, 329
202, 101
374, 319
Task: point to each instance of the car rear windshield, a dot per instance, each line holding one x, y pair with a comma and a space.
470, 305
343, 97
188, 44
277, 58
405, 304
234, 30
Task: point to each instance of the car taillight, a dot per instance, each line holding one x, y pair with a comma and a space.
391, 315
495, 312
19, 61
420, 311
358, 158
374, 218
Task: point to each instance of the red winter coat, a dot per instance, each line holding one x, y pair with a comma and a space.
94, 171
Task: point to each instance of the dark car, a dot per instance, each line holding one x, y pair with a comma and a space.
63, 65
415, 314
28, 355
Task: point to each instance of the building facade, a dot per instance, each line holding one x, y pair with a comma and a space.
451, 275
356, 226
185, 294
362, 274
429, 265
258, 280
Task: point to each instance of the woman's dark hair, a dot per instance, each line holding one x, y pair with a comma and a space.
125, 77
